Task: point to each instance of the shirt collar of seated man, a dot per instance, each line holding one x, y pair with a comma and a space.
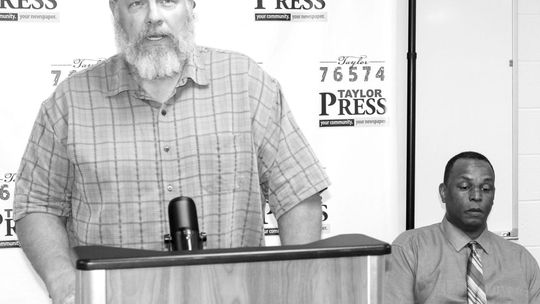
468, 191
156, 37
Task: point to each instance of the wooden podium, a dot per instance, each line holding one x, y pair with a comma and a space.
342, 269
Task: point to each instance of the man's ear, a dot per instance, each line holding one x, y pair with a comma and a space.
442, 192
191, 7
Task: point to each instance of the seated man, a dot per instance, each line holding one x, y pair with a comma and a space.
459, 260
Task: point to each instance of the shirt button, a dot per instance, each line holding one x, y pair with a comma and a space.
163, 112
169, 188
166, 148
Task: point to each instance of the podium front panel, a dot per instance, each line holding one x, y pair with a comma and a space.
342, 269
337, 280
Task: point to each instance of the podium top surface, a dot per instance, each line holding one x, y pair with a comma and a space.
346, 245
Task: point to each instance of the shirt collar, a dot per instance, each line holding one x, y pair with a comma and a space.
120, 75
123, 78
459, 239
195, 68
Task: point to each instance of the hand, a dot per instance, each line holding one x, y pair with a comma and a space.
70, 299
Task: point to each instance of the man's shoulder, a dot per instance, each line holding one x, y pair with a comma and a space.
509, 246
95, 75
422, 234
507, 250
237, 62
221, 54
77, 86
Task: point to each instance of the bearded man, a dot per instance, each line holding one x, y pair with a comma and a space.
163, 118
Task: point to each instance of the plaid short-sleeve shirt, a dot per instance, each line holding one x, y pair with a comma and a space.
109, 159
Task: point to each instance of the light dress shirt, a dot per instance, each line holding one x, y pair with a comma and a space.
429, 265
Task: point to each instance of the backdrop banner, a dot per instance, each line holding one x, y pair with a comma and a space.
335, 60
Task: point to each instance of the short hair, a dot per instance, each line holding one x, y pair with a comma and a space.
463, 155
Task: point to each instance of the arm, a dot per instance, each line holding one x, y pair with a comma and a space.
42, 199
288, 169
44, 240
532, 273
302, 224
399, 277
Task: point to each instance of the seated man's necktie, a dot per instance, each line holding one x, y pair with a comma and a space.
476, 291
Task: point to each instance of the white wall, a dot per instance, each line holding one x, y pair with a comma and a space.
529, 124
464, 99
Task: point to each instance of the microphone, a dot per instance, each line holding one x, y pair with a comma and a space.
183, 224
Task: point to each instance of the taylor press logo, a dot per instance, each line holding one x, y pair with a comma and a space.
354, 93
290, 10
28, 10
7, 223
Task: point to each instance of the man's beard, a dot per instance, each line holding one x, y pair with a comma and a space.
153, 62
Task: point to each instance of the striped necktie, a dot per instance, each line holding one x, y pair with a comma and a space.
476, 292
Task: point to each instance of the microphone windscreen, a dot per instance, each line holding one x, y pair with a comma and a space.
183, 224
183, 214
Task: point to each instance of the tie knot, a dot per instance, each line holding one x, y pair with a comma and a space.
473, 245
